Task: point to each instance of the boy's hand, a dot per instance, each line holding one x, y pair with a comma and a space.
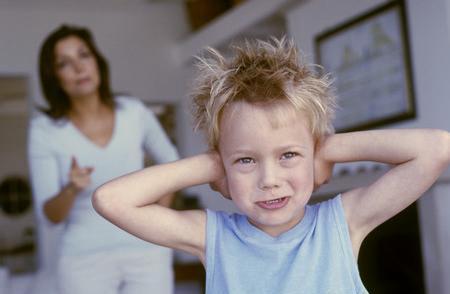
220, 184
323, 169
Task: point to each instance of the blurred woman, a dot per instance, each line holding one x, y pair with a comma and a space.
79, 142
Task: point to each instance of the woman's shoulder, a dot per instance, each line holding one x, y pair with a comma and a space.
130, 106
129, 102
44, 131
43, 122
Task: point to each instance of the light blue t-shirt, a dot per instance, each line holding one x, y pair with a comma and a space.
315, 256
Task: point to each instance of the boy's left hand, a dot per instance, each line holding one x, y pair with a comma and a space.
323, 169
220, 184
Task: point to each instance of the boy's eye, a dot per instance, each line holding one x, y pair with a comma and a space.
288, 155
245, 160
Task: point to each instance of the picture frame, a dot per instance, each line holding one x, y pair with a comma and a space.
369, 59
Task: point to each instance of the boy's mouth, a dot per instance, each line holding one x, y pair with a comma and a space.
273, 203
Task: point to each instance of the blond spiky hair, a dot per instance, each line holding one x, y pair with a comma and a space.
260, 72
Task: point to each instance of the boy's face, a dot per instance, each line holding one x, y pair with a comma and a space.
270, 170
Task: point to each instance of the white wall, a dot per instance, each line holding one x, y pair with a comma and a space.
191, 143
134, 37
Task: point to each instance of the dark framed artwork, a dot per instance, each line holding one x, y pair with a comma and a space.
369, 59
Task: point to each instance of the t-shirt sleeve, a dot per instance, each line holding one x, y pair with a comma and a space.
335, 211
43, 166
338, 215
156, 142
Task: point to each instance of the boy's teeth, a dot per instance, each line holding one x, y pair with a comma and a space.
273, 201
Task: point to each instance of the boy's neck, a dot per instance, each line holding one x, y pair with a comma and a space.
276, 231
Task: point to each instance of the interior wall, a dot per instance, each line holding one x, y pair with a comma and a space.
135, 39
13, 146
193, 142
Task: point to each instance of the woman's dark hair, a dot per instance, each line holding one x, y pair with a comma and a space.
58, 101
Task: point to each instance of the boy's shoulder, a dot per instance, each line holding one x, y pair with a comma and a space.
223, 216
220, 222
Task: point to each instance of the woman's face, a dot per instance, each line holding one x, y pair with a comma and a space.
76, 68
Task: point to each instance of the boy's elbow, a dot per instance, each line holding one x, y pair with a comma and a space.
447, 144
102, 201
441, 148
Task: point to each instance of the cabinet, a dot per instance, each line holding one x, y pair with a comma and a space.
250, 19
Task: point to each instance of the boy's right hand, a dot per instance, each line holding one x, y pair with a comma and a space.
220, 184
79, 177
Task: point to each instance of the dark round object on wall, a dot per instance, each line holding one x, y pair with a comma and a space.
15, 195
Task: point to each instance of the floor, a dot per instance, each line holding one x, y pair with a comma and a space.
19, 284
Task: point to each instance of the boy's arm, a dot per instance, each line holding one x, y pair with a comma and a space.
419, 157
130, 202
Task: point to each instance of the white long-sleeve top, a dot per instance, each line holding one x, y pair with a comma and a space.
51, 144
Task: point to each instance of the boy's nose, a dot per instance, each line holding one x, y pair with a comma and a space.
268, 177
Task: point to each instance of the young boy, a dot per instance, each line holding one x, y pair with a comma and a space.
267, 119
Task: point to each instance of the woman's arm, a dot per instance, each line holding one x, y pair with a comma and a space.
58, 207
130, 202
45, 176
418, 158
52, 202
157, 143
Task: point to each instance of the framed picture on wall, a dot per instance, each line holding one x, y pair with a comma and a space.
369, 59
